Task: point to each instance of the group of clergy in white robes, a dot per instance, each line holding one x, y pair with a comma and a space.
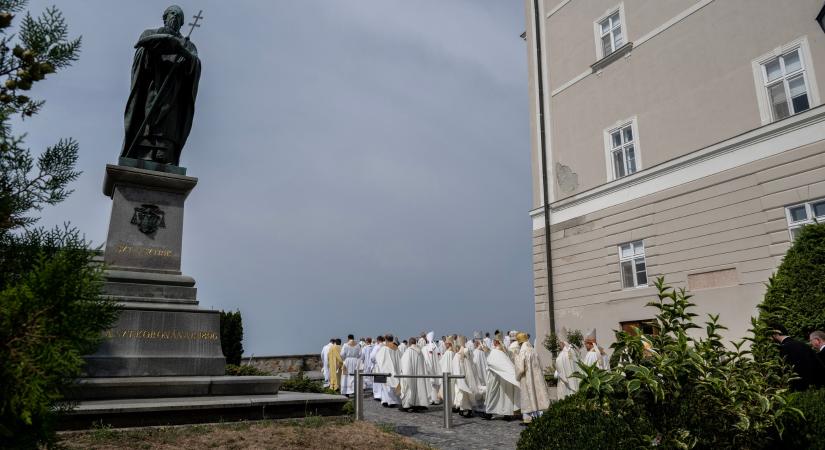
569, 359
499, 380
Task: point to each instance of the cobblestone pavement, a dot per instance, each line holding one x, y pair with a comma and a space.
428, 427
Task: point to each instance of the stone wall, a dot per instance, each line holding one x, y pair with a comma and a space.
285, 364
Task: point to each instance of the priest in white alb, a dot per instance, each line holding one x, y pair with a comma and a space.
389, 362
446, 365
595, 354
567, 363
532, 387
467, 387
377, 386
413, 390
351, 355
325, 361
480, 360
501, 384
366, 363
432, 365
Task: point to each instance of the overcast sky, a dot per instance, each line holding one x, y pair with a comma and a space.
363, 165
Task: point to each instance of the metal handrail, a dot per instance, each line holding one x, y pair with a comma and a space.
445, 381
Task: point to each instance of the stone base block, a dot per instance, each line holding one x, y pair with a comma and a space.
153, 342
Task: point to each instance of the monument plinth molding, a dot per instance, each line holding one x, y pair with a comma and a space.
160, 331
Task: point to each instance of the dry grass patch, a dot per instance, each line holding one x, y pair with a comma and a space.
310, 433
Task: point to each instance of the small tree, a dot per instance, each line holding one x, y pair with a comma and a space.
232, 336
795, 296
693, 391
51, 311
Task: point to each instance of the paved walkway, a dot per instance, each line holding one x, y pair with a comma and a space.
474, 433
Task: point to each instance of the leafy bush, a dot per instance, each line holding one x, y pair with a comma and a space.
244, 371
807, 433
693, 391
796, 293
232, 336
51, 312
576, 423
301, 383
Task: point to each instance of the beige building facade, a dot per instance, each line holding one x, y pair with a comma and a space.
683, 138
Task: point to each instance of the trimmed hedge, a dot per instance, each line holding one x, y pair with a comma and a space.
232, 336
796, 294
574, 424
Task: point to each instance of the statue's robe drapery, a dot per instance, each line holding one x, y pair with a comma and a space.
164, 134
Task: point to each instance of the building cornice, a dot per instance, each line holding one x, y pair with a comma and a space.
798, 130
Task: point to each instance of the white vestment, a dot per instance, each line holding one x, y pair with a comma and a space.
377, 388
480, 361
325, 362
566, 366
366, 364
351, 355
467, 389
402, 347
532, 387
488, 342
432, 366
502, 386
594, 356
413, 390
513, 349
446, 365
389, 361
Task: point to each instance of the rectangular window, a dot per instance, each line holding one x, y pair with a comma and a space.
632, 264
647, 327
785, 81
803, 214
784, 78
622, 146
610, 33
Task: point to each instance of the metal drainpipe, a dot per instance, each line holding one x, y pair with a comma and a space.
546, 200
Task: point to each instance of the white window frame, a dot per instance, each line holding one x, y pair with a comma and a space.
632, 258
608, 146
810, 218
760, 77
597, 30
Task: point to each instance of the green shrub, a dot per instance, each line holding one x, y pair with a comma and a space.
232, 336
807, 433
693, 390
796, 293
245, 370
575, 423
301, 383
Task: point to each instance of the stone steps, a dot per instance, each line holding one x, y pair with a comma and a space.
138, 412
161, 387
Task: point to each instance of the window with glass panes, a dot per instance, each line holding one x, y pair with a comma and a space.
611, 34
623, 151
632, 264
800, 215
786, 83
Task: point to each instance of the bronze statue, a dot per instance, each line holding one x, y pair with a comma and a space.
165, 75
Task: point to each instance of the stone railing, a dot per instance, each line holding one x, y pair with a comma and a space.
288, 364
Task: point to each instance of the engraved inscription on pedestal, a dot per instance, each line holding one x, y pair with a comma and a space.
159, 343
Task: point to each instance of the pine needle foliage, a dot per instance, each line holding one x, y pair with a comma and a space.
51, 310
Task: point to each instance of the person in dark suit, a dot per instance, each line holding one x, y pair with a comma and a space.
800, 357
817, 340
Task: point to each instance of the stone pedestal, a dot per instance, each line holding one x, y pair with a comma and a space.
161, 331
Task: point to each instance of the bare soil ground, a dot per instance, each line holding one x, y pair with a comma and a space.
309, 433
